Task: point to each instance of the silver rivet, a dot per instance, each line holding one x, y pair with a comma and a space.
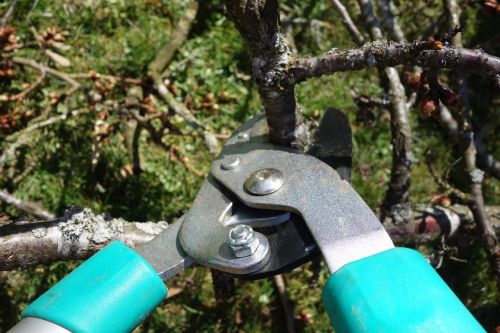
242, 241
265, 181
242, 135
230, 163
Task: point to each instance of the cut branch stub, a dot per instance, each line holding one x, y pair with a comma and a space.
258, 23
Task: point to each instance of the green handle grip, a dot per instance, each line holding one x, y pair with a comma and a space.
113, 291
394, 291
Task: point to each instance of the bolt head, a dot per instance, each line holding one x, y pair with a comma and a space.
242, 136
242, 241
265, 181
230, 163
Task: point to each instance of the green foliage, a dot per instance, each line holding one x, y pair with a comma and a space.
57, 165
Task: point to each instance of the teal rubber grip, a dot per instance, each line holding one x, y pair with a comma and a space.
394, 291
113, 291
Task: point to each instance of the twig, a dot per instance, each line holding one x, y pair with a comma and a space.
26, 206
179, 36
93, 75
161, 61
9, 13
490, 164
383, 54
25, 136
22, 94
41, 124
175, 153
45, 69
348, 23
441, 182
287, 307
389, 21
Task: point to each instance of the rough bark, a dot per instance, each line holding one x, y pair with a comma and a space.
381, 53
76, 235
259, 25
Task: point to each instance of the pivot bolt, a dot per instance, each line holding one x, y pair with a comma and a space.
242, 241
265, 181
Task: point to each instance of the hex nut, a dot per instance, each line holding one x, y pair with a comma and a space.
242, 241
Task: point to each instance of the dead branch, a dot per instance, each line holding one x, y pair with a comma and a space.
286, 306
93, 75
258, 24
76, 235
397, 200
45, 69
9, 13
25, 92
26, 206
348, 23
179, 36
160, 63
389, 21
473, 173
26, 137
381, 53
490, 164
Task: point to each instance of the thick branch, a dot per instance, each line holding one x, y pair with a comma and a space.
258, 24
76, 235
80, 233
383, 54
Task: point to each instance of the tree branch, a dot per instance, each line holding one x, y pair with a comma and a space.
258, 24
473, 173
26, 206
79, 233
45, 69
160, 63
397, 199
353, 30
76, 235
9, 13
389, 21
383, 54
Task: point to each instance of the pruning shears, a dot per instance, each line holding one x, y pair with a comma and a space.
263, 210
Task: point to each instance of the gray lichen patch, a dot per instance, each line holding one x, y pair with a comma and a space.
39, 232
151, 228
98, 229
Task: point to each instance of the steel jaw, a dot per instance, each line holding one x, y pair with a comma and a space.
343, 226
